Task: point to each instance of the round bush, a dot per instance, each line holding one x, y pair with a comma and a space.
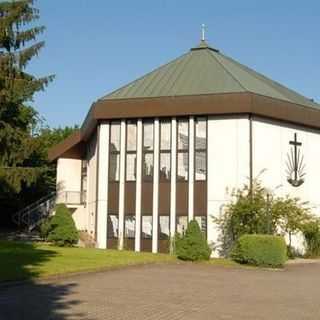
63, 231
260, 250
193, 245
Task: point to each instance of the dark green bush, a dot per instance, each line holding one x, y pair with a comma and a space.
260, 250
63, 231
45, 227
311, 233
192, 246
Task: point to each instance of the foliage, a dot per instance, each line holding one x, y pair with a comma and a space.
260, 250
291, 215
62, 229
192, 245
17, 88
311, 233
255, 210
45, 227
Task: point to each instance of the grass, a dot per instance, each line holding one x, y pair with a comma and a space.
27, 261
21, 261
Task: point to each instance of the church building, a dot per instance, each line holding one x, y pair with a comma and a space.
170, 147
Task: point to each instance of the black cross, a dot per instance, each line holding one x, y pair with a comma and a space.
296, 144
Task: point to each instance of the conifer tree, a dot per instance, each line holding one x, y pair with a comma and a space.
18, 46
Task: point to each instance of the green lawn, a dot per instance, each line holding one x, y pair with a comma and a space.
28, 261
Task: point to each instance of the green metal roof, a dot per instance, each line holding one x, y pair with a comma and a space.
204, 70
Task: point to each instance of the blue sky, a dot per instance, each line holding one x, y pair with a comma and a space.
96, 46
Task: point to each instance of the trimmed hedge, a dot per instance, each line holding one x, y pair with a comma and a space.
260, 250
193, 245
62, 230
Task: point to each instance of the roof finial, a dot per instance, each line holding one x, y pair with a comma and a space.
203, 29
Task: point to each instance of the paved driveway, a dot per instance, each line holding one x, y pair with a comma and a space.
174, 292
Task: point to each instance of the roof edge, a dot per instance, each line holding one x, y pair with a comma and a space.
211, 104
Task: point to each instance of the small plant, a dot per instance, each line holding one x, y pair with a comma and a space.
311, 233
260, 250
63, 231
45, 227
192, 246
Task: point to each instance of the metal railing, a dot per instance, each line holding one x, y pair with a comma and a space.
32, 215
72, 197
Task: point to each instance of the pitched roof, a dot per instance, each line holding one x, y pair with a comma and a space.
205, 70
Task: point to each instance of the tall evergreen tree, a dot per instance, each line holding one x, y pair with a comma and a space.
17, 88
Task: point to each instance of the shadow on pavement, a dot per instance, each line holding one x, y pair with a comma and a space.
31, 299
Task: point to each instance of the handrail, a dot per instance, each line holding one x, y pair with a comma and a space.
35, 212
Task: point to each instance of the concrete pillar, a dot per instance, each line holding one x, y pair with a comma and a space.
155, 209
173, 177
138, 186
191, 170
103, 176
122, 182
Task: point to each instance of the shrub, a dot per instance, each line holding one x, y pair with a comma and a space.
192, 245
260, 250
311, 233
63, 231
45, 227
257, 210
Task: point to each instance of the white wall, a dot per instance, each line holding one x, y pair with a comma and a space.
270, 149
228, 166
68, 175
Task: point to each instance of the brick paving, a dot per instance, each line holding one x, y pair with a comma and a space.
158, 292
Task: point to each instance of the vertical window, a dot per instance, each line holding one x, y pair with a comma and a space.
165, 149
146, 227
114, 171
131, 151
182, 224
201, 148
129, 227
84, 166
147, 162
164, 227
113, 226
202, 221
183, 149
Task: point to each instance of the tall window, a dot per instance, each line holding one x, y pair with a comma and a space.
201, 148
147, 162
113, 226
164, 227
129, 227
114, 171
165, 149
183, 149
146, 227
182, 224
202, 221
84, 166
131, 152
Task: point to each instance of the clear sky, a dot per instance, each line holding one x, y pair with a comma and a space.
96, 46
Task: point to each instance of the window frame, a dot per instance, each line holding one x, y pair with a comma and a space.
182, 151
131, 152
108, 233
114, 152
144, 177
165, 150
204, 150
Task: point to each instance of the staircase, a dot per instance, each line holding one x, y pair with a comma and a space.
31, 216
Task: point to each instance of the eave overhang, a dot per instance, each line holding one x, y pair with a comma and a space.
206, 104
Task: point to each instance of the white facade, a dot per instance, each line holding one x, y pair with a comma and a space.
229, 166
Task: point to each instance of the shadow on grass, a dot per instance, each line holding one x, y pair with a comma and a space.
31, 299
